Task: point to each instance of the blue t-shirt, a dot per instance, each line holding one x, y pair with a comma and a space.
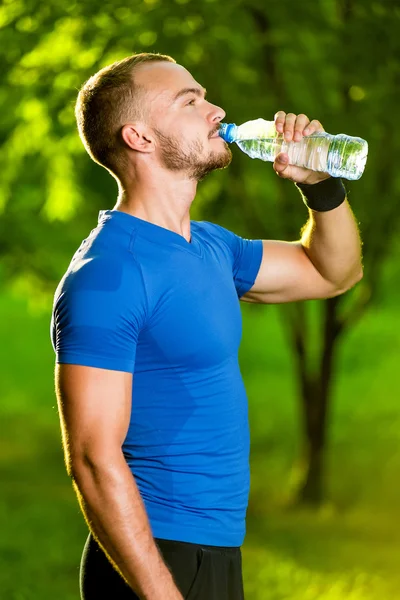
138, 297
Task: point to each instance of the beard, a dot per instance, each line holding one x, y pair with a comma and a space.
175, 158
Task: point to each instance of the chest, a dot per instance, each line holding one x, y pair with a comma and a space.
195, 317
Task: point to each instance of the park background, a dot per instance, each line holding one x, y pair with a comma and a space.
336, 534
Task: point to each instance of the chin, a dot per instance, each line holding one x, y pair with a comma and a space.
224, 156
216, 160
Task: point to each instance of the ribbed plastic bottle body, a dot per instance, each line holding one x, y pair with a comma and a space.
339, 155
311, 152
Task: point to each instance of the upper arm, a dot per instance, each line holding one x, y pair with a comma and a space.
287, 274
99, 311
94, 406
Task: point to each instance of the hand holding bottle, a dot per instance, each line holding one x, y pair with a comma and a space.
294, 128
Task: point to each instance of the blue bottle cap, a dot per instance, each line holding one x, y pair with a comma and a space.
226, 131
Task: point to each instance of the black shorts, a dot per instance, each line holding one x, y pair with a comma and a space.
200, 572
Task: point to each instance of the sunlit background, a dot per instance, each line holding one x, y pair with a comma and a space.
323, 518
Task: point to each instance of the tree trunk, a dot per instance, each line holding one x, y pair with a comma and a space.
312, 489
316, 392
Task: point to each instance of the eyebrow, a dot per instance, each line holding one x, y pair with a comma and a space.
195, 90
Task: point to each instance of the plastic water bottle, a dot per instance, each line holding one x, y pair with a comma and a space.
339, 155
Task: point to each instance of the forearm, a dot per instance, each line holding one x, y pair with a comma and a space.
114, 510
332, 242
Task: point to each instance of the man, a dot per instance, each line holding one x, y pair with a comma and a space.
146, 326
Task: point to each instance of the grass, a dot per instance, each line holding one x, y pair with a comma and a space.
348, 550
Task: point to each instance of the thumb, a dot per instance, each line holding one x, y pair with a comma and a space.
281, 163
282, 158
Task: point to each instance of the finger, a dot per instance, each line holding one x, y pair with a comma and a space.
281, 163
302, 121
289, 126
279, 119
312, 127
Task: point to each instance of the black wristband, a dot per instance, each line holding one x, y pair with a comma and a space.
325, 195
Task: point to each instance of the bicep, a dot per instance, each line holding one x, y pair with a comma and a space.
286, 274
94, 406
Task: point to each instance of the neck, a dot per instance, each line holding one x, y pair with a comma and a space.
162, 197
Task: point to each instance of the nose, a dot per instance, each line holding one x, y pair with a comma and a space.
216, 113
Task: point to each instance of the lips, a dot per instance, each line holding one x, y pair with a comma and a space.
215, 134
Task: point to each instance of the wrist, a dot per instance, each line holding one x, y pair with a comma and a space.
324, 195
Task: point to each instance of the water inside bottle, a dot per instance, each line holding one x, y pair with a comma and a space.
311, 152
347, 156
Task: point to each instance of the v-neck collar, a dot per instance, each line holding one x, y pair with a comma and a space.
154, 233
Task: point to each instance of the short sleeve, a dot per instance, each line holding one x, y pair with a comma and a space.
246, 258
99, 308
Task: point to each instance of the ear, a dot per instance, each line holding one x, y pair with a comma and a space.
138, 137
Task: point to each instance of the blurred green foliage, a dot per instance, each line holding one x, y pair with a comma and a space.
334, 60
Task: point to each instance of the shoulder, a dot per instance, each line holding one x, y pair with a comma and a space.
245, 254
213, 228
223, 237
99, 269
100, 281
217, 233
